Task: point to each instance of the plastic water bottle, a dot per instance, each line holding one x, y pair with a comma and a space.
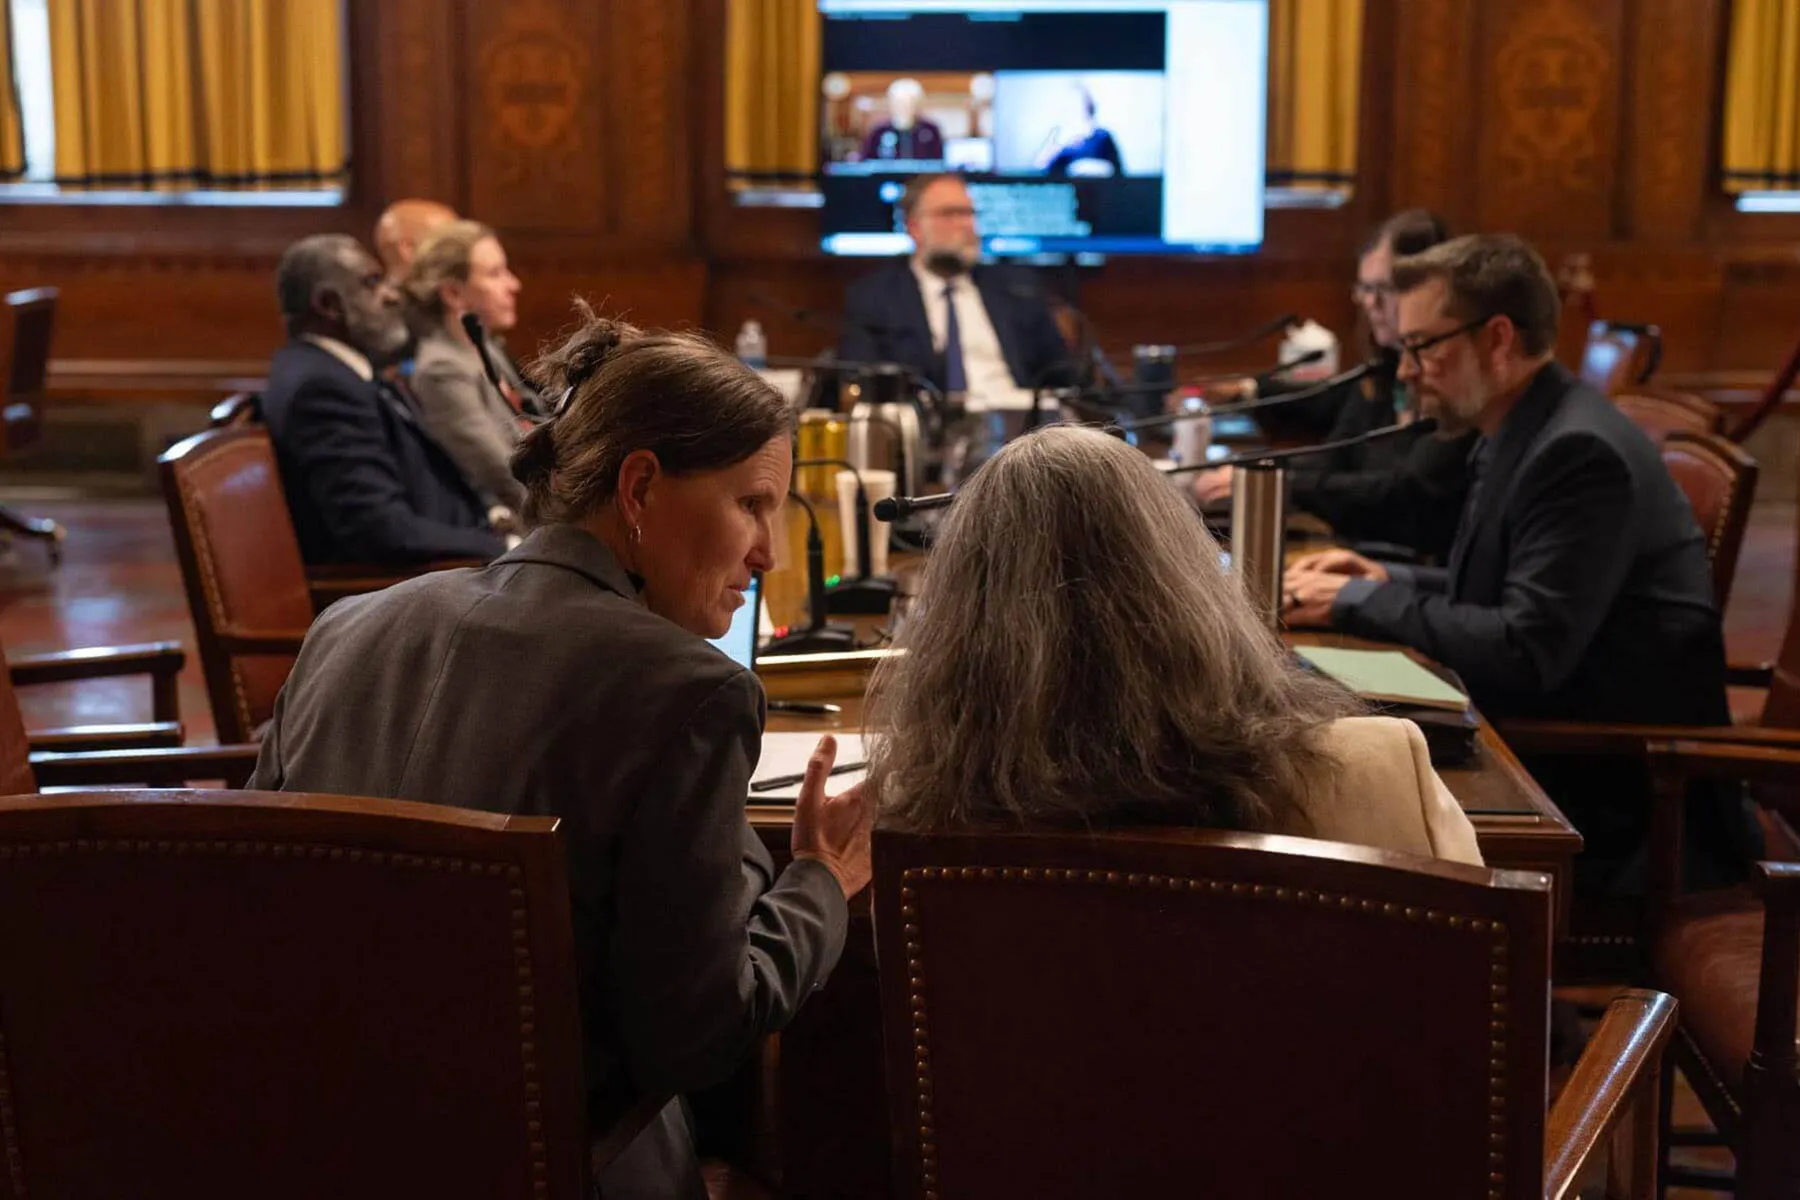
752, 346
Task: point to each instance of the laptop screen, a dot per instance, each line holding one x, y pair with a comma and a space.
739, 642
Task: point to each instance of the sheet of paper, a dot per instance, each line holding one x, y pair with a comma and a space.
786, 754
1384, 675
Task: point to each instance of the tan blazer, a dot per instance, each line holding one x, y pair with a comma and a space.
1386, 795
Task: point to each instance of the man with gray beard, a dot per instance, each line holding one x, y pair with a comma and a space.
365, 482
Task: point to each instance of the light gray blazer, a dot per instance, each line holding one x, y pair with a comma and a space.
469, 419
540, 684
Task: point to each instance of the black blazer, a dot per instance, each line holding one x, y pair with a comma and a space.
1578, 587
540, 684
1406, 490
364, 481
884, 321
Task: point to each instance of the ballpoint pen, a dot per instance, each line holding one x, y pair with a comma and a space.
811, 708
781, 781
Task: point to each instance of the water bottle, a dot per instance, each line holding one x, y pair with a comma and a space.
752, 346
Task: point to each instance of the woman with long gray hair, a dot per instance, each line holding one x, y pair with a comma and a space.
1080, 659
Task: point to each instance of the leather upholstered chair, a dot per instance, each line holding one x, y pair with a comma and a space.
239, 408
1618, 353
1719, 481
212, 994
247, 590
1732, 959
1188, 1013
26, 325
1660, 411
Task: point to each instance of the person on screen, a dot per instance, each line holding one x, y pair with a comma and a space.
905, 136
572, 679
986, 332
1080, 146
1078, 659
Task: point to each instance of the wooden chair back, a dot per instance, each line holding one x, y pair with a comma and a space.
1719, 481
283, 995
1781, 707
1660, 411
30, 321
240, 562
239, 408
1619, 353
16, 776
1134, 1015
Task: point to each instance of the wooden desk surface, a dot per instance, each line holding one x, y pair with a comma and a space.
1517, 825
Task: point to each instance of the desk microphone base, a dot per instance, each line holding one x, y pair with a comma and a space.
870, 597
827, 639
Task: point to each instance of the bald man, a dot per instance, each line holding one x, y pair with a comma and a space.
402, 227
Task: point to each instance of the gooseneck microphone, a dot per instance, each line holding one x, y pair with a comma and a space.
472, 327
819, 636
904, 506
1280, 324
1255, 458
1248, 406
896, 508
866, 594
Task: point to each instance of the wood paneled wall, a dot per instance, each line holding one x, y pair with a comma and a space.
590, 135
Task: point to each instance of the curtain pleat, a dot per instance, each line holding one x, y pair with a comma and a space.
1315, 85
167, 94
772, 91
12, 122
1762, 97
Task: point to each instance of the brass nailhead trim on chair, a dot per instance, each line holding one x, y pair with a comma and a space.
215, 600
521, 935
915, 972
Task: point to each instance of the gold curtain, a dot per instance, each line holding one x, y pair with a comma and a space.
1315, 83
772, 91
212, 93
12, 125
1762, 97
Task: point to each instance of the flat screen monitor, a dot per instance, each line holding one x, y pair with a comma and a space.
1083, 127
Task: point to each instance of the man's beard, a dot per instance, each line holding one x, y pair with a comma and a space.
946, 263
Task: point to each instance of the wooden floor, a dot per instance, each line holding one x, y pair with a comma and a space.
119, 583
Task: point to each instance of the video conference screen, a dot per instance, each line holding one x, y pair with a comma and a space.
1084, 127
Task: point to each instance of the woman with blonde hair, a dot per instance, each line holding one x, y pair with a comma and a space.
1080, 659
461, 268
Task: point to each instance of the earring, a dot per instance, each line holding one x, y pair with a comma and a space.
637, 535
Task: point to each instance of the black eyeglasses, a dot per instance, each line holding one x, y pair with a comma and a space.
1371, 291
1413, 350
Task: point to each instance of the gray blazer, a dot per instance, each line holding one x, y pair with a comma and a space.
467, 416
540, 684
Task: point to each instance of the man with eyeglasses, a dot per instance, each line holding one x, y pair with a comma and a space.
1578, 585
1403, 492
983, 331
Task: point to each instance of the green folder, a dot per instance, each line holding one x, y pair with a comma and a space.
1388, 676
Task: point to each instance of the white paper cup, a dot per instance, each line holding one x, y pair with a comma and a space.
879, 485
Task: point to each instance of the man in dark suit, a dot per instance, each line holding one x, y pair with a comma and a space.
1578, 585
985, 332
364, 481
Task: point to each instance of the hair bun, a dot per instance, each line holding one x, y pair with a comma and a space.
580, 356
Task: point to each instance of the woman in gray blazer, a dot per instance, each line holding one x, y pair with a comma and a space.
461, 268
572, 677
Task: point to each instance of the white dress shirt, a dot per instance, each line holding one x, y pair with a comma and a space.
345, 353
991, 384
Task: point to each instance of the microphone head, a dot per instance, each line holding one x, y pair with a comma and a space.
888, 509
472, 326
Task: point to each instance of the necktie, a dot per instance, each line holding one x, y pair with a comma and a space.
955, 378
1465, 528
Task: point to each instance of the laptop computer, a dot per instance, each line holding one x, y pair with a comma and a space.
739, 642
